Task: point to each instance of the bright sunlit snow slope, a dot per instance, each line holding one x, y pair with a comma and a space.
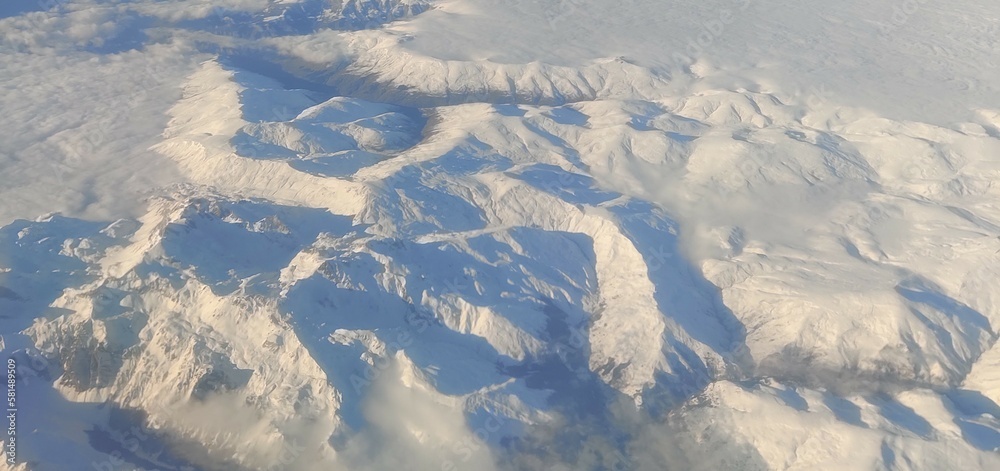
463, 234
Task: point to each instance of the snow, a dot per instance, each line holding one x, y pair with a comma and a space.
460, 234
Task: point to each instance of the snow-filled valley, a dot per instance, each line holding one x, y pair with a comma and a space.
501, 235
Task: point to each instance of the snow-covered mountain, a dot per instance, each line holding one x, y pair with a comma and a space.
516, 235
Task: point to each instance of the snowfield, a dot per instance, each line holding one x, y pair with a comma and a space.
502, 235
